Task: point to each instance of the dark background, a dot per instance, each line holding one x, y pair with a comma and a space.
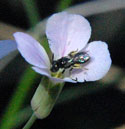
103, 109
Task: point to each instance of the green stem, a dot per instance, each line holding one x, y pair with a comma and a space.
63, 5
30, 122
32, 11
14, 106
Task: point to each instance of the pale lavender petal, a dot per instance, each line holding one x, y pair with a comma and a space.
56, 80
66, 33
31, 50
99, 64
46, 72
41, 71
67, 79
6, 47
59, 80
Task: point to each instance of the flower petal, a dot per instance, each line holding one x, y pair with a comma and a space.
59, 80
66, 33
41, 71
6, 47
99, 64
47, 73
31, 50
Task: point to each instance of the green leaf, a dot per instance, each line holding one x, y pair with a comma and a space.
32, 11
18, 98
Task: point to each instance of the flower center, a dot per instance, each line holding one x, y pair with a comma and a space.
57, 74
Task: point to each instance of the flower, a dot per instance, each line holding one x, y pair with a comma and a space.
66, 33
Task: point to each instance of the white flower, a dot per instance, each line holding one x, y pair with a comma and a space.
66, 33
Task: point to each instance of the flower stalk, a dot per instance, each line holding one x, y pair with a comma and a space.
44, 100
45, 97
30, 122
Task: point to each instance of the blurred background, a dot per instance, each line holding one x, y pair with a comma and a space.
90, 105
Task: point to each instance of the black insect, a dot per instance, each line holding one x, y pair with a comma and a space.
62, 63
72, 61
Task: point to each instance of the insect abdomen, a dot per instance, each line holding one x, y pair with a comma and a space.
81, 58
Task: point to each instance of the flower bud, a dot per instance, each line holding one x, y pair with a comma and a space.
45, 97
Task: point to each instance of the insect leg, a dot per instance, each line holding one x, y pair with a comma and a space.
71, 54
85, 68
75, 79
70, 70
63, 71
76, 66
